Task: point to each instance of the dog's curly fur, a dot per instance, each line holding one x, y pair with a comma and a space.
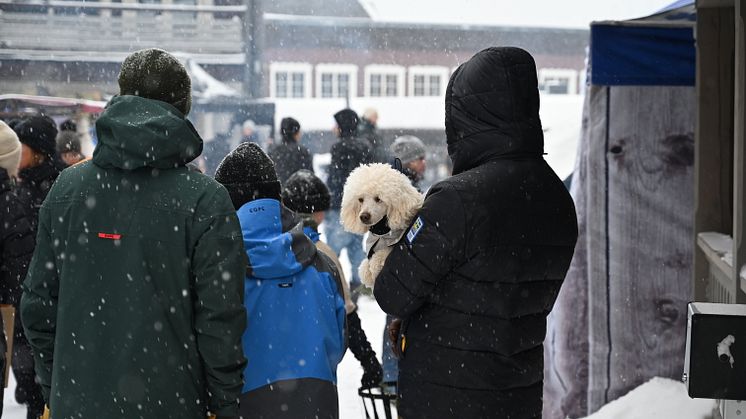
371, 192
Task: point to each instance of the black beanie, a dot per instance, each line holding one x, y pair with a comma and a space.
40, 133
347, 122
305, 193
155, 74
248, 174
288, 128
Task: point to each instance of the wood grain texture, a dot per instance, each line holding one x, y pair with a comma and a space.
566, 345
631, 273
651, 207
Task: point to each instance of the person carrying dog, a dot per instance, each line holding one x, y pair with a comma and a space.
293, 295
478, 271
133, 300
308, 196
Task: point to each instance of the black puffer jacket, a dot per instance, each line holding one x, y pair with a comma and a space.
347, 154
480, 268
16, 249
289, 157
34, 185
16, 243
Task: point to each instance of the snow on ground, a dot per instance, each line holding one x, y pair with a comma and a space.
659, 398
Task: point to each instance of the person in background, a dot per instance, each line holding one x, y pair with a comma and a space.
39, 168
40, 163
411, 151
133, 302
290, 155
68, 143
367, 129
293, 295
308, 196
16, 237
347, 153
477, 273
248, 129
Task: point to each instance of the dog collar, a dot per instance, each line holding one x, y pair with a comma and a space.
380, 228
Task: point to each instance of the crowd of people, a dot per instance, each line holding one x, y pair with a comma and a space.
157, 291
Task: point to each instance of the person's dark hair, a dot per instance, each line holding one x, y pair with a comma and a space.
288, 128
347, 121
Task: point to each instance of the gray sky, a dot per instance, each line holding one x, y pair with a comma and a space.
544, 13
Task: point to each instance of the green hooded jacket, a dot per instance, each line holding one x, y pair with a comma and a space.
133, 303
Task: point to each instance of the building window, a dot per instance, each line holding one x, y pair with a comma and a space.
427, 80
558, 81
384, 80
290, 80
336, 80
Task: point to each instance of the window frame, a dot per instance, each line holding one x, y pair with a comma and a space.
427, 71
568, 73
384, 70
290, 68
335, 70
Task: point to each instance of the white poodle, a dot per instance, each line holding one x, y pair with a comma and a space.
378, 200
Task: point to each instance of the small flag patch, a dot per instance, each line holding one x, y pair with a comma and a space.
414, 230
109, 236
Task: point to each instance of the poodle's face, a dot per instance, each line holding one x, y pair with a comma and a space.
372, 208
374, 191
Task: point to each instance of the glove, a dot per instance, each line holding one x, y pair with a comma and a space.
394, 329
360, 347
46, 413
211, 416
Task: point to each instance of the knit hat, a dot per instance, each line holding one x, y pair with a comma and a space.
39, 133
69, 125
10, 150
347, 122
68, 142
155, 74
288, 128
305, 193
248, 174
408, 148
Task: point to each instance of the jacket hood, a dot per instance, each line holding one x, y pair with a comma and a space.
274, 239
135, 132
492, 109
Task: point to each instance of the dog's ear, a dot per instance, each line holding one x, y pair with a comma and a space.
348, 214
403, 203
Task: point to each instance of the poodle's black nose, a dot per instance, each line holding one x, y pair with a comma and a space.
365, 217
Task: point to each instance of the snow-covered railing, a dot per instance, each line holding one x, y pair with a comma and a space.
718, 248
70, 26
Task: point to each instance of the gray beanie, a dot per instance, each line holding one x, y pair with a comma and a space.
408, 148
10, 150
155, 74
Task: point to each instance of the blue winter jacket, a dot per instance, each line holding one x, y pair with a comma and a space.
293, 298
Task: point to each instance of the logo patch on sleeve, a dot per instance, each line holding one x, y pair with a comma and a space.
414, 230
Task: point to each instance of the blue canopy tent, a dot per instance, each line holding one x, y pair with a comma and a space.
620, 318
